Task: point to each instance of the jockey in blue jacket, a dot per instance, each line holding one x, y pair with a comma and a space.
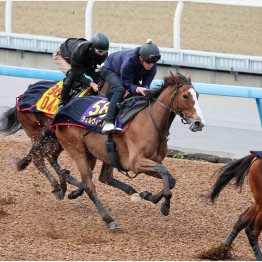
132, 70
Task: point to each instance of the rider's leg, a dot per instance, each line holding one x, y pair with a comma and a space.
118, 92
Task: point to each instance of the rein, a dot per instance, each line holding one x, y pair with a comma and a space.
170, 110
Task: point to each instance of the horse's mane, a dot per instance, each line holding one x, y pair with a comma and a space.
176, 79
172, 80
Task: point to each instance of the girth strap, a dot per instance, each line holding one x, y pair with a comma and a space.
112, 155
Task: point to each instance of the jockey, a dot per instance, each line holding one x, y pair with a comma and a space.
123, 70
76, 57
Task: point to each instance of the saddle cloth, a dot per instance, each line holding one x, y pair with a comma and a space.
256, 153
81, 110
90, 112
27, 101
43, 96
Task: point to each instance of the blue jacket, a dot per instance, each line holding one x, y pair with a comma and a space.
127, 66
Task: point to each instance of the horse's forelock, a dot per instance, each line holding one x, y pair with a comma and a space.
175, 79
168, 81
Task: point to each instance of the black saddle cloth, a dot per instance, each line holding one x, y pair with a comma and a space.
256, 153
90, 111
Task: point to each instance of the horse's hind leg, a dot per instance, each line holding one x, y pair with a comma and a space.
106, 177
252, 232
222, 252
37, 154
51, 149
256, 232
241, 223
253, 229
89, 187
79, 192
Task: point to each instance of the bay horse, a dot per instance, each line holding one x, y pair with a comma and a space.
251, 218
142, 147
44, 143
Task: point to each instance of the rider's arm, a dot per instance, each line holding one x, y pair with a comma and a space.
149, 76
127, 74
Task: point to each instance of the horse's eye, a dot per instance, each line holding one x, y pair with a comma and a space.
185, 96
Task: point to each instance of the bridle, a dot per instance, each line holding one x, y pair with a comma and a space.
172, 113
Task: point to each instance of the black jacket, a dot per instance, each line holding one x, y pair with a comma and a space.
80, 54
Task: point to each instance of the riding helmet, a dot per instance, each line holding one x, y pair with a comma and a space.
100, 41
149, 52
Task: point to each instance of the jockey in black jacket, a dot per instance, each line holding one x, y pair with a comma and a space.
76, 57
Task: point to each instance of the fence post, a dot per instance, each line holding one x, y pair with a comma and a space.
177, 22
88, 19
259, 108
8, 16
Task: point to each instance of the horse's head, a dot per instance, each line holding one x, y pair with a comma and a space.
185, 101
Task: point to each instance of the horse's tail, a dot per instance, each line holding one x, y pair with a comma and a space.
8, 122
238, 169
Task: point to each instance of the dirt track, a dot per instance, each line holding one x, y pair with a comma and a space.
34, 226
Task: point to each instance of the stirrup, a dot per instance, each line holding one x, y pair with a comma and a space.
111, 128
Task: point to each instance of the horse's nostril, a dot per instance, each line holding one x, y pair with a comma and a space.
198, 123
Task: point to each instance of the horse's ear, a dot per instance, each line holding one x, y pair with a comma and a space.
175, 77
172, 74
188, 76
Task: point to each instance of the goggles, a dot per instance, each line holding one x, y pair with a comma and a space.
151, 59
100, 52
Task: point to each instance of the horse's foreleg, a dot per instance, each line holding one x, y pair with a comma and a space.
159, 171
106, 177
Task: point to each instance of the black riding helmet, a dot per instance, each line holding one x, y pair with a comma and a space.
100, 41
149, 52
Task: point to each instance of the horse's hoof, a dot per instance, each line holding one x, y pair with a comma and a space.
145, 195
75, 194
136, 198
58, 195
72, 195
65, 172
165, 210
113, 226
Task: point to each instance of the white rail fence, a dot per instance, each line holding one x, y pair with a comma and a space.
219, 90
170, 56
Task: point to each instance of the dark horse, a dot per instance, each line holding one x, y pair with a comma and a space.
143, 145
45, 145
251, 218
